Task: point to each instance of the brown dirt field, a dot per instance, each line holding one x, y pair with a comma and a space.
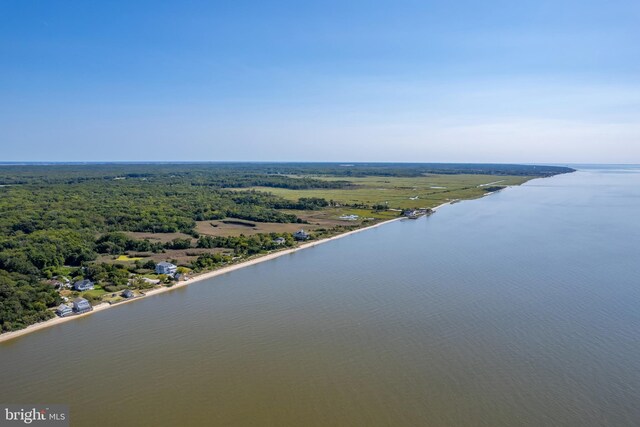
222, 229
158, 237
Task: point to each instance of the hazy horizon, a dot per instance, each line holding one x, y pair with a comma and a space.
363, 162
492, 82
319, 162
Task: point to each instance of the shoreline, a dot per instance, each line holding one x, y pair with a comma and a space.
199, 278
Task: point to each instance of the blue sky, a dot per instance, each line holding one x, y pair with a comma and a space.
466, 81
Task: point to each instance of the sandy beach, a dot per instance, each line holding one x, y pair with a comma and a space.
204, 276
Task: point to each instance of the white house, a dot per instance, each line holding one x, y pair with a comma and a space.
166, 268
83, 285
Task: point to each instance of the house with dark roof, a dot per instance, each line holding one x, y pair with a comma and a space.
166, 268
127, 293
83, 285
279, 241
81, 305
64, 310
300, 235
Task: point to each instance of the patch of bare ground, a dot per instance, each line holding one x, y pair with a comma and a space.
220, 228
158, 237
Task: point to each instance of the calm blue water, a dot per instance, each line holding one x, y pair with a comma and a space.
518, 309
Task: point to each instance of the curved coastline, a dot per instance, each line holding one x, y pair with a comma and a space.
204, 276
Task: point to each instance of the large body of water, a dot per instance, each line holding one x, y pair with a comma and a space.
518, 309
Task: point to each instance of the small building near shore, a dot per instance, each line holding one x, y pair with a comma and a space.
415, 213
300, 235
279, 240
127, 293
166, 268
83, 285
81, 305
64, 310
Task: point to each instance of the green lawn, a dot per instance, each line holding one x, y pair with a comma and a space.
128, 258
95, 293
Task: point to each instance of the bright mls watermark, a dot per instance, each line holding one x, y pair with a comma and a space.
37, 415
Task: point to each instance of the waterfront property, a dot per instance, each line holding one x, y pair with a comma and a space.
127, 293
416, 213
64, 310
300, 235
166, 268
81, 305
83, 285
279, 240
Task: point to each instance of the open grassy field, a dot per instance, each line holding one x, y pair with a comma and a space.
97, 292
182, 256
402, 193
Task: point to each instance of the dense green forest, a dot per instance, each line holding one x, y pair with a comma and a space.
239, 175
55, 216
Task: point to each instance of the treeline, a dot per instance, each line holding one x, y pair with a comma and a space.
253, 197
24, 301
119, 243
243, 175
411, 169
274, 181
208, 175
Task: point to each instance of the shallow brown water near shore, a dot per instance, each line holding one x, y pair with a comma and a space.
520, 309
